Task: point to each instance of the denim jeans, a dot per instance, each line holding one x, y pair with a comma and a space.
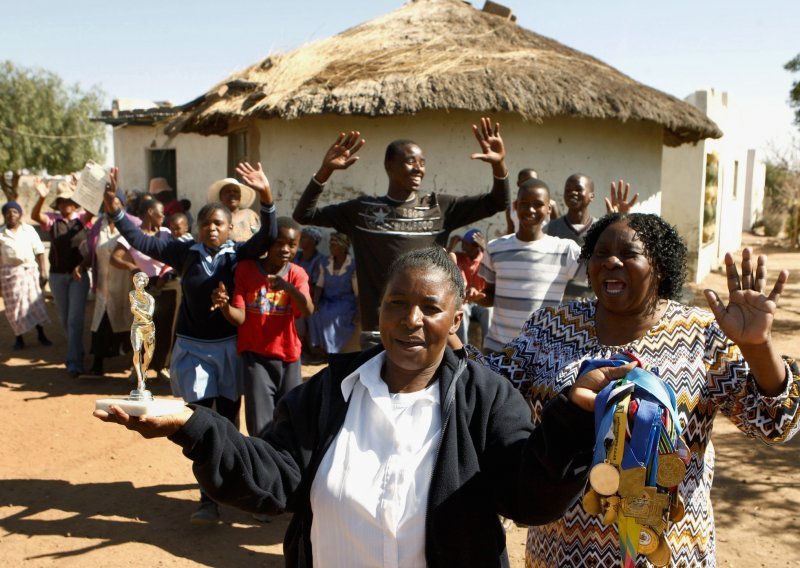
70, 296
476, 312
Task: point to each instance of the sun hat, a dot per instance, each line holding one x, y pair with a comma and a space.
64, 190
248, 195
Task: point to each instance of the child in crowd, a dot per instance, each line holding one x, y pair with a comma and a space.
238, 198
180, 227
526, 270
269, 294
204, 368
334, 320
469, 261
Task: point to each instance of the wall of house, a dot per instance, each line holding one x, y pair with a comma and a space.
684, 173
291, 151
200, 160
755, 179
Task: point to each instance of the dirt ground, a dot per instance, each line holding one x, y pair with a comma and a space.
76, 492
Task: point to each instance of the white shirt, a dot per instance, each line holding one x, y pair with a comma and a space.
370, 494
20, 246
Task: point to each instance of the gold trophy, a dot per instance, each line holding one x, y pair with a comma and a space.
140, 401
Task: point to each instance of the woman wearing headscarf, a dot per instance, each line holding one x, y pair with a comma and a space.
22, 275
334, 321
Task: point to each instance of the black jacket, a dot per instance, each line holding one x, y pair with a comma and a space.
490, 460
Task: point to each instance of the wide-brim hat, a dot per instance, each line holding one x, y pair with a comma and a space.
64, 190
248, 195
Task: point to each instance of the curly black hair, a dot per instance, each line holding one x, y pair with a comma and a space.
663, 247
428, 258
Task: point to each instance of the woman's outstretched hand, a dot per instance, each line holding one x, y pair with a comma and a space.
147, 426
618, 202
747, 319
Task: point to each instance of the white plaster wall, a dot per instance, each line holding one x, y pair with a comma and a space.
682, 181
755, 179
291, 151
200, 160
683, 174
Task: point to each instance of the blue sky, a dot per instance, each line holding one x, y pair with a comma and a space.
176, 49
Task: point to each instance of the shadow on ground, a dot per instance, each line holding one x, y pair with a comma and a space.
118, 513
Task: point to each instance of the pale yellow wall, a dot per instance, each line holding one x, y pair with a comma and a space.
291, 152
200, 160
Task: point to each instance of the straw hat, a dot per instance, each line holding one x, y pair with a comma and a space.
248, 195
64, 190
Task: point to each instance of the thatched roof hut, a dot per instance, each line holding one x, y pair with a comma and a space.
438, 55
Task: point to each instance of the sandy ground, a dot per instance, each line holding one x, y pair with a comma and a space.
77, 492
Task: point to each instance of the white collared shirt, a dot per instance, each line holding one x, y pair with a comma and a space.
370, 494
20, 246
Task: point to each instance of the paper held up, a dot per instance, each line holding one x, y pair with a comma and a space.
91, 185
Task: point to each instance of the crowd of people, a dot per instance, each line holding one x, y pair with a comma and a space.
412, 449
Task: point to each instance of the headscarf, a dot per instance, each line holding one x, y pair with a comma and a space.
12, 205
341, 239
312, 232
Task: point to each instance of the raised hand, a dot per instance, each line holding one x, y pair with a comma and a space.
618, 203
219, 297
41, 188
256, 179
341, 155
147, 426
493, 150
111, 202
748, 317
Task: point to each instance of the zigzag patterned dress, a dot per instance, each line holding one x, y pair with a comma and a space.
708, 374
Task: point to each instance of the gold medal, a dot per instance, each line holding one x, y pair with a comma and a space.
632, 481
641, 507
671, 470
676, 509
661, 555
648, 541
604, 479
612, 506
592, 503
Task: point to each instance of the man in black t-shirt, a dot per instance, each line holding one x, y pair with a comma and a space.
382, 228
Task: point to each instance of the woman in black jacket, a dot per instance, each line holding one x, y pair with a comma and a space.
404, 454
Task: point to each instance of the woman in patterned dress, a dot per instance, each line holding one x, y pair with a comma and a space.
721, 360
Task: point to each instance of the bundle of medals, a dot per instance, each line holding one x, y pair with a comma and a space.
639, 461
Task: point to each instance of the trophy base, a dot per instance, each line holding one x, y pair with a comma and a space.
158, 407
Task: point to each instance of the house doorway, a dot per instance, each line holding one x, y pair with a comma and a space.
162, 164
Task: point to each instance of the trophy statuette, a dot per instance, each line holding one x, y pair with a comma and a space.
140, 401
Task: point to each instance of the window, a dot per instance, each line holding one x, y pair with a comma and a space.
237, 151
735, 178
162, 164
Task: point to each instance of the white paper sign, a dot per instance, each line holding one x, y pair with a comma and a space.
91, 185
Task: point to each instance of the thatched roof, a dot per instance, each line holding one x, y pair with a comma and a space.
438, 54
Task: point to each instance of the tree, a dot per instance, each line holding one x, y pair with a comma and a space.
794, 94
45, 124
